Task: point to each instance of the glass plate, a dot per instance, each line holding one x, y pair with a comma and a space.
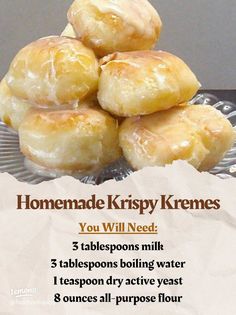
13, 162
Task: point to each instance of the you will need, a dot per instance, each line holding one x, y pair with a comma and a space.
117, 228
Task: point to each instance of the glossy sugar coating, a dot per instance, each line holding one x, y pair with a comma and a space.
198, 134
12, 109
144, 82
69, 31
108, 26
54, 71
83, 140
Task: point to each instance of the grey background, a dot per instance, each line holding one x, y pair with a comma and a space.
202, 32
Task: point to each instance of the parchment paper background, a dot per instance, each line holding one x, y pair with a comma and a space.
205, 240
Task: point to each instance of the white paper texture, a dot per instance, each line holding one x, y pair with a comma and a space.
206, 240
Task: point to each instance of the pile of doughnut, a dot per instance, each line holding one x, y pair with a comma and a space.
99, 91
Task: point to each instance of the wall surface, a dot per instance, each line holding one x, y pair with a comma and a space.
201, 32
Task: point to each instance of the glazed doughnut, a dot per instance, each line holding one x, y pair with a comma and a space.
69, 31
199, 134
54, 71
108, 26
83, 140
12, 109
141, 83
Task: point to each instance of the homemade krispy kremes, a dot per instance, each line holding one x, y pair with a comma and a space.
199, 134
144, 82
77, 114
54, 71
83, 140
108, 26
12, 109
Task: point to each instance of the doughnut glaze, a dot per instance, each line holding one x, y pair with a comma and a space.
12, 109
69, 31
144, 82
54, 71
199, 134
83, 140
108, 26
